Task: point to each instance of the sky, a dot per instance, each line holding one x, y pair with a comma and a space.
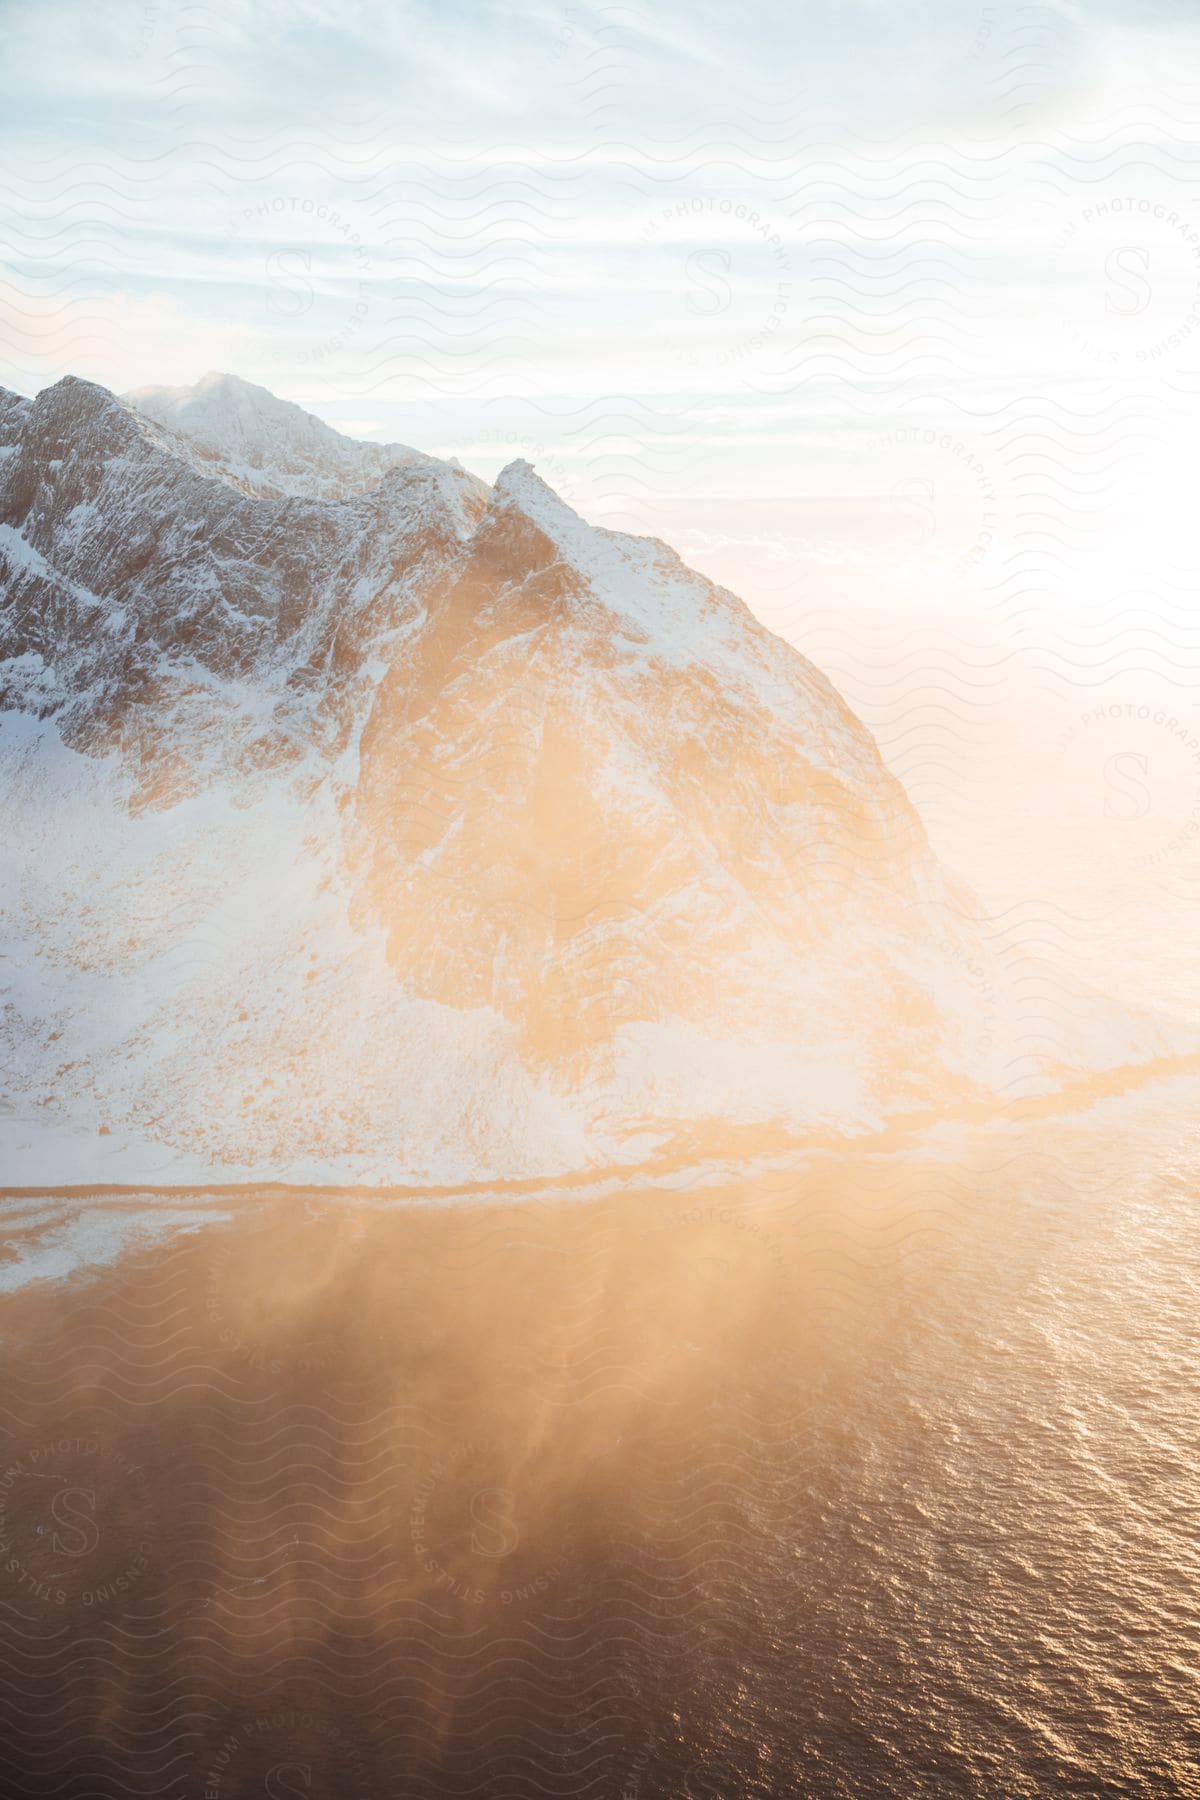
887, 317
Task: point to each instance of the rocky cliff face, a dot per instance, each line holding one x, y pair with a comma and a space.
368, 824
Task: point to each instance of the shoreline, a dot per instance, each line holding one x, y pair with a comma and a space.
897, 1133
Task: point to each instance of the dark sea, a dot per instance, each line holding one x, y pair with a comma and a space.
871, 1474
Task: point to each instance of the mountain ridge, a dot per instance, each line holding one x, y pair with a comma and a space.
272, 446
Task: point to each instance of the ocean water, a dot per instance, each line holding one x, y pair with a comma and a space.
874, 1475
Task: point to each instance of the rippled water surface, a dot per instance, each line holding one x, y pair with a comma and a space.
876, 1476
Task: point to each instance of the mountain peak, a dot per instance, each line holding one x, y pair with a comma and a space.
520, 487
225, 410
223, 377
519, 481
247, 399
73, 415
78, 396
270, 446
513, 473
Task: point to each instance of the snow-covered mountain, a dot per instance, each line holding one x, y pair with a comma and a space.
369, 824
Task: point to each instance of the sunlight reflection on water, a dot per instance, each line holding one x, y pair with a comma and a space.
873, 1477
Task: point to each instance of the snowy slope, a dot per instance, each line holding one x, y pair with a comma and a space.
367, 824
